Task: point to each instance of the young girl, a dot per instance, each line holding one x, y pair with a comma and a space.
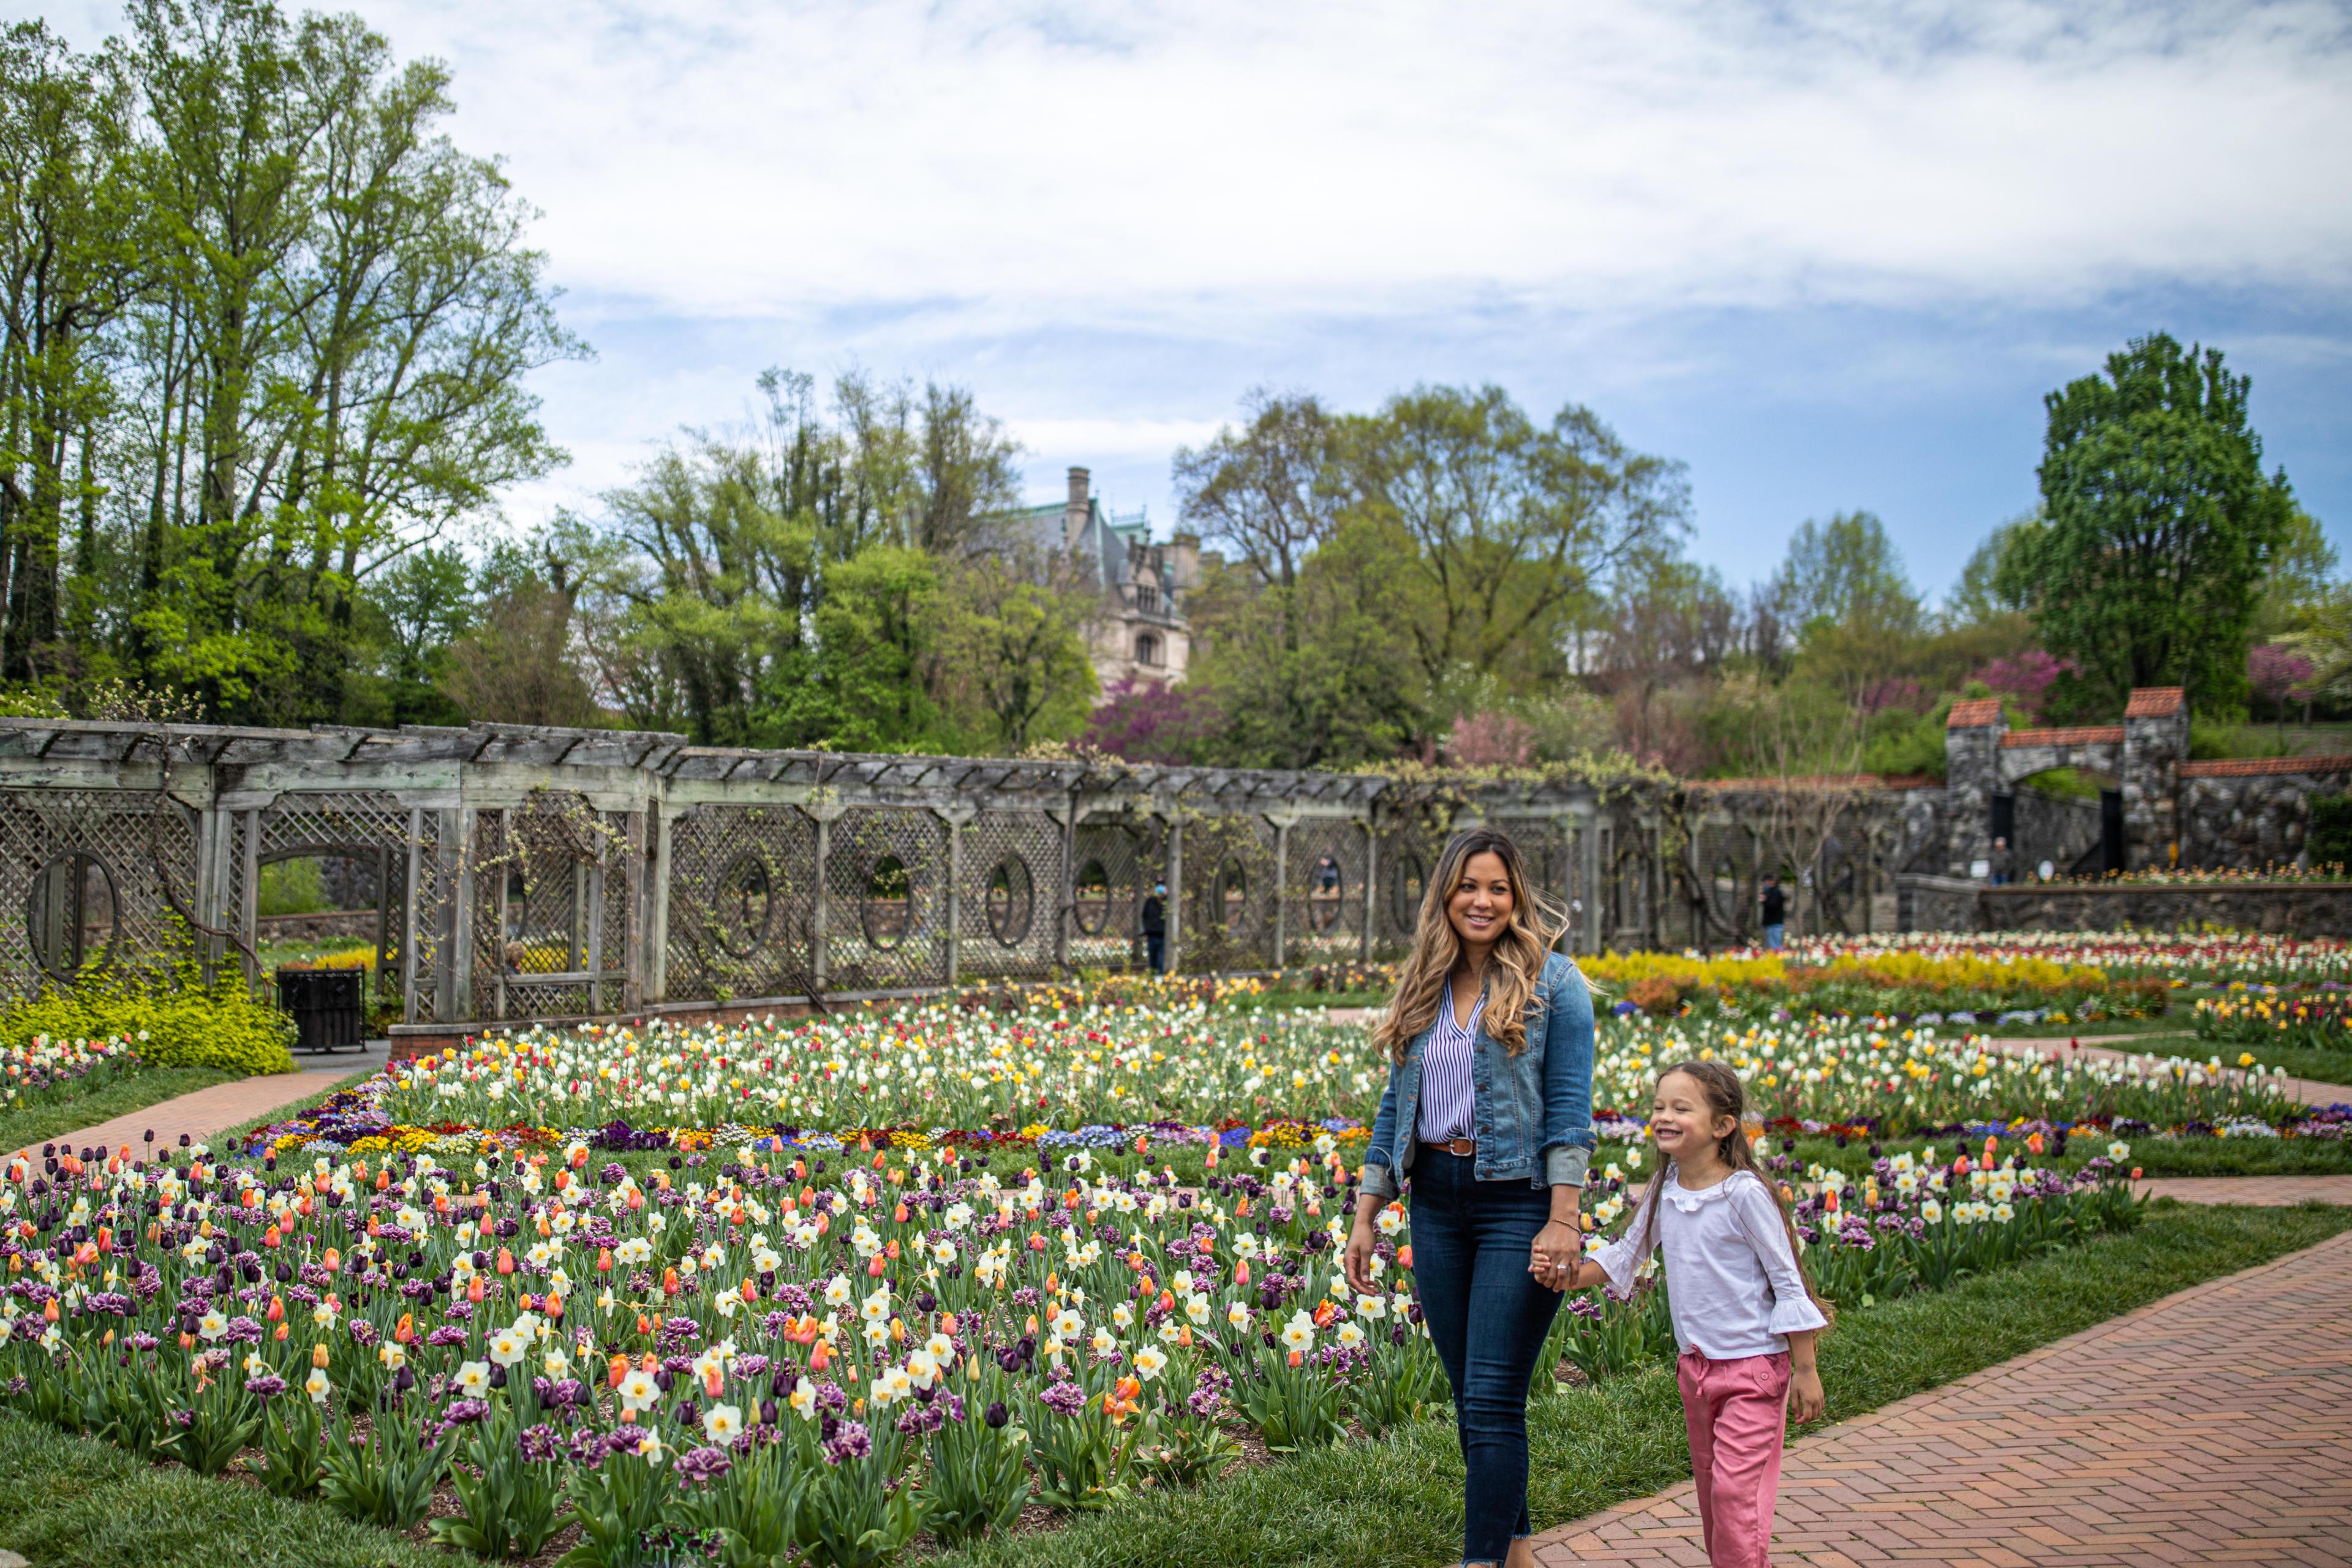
1743, 1314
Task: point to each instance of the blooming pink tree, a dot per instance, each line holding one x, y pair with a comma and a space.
2278, 674
1491, 740
1145, 721
2027, 677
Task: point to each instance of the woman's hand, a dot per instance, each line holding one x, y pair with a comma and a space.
1357, 1260
1556, 1248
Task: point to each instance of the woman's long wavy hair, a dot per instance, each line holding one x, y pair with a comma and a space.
1726, 1095
1514, 969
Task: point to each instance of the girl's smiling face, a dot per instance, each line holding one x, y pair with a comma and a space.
1481, 904
1682, 1120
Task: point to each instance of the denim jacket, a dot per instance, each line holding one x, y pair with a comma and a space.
1534, 1111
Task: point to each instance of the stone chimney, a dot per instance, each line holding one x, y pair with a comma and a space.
1184, 555
1079, 512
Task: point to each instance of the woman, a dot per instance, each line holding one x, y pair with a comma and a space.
1489, 1110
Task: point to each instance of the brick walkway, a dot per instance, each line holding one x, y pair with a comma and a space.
2213, 1426
207, 1111
2260, 1192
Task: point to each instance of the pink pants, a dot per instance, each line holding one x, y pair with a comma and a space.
1737, 1415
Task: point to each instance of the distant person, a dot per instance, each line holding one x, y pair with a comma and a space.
1155, 929
2001, 871
1772, 903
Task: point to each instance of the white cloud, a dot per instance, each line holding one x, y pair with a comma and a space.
1232, 164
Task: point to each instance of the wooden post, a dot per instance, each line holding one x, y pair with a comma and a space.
655, 985
248, 899
383, 914
955, 817
1281, 889
1066, 890
824, 900
1371, 889
594, 877
456, 975
409, 917
1174, 906
506, 910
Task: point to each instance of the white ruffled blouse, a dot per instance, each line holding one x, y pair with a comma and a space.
1731, 1278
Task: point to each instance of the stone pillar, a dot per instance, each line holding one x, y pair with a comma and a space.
2156, 742
1971, 776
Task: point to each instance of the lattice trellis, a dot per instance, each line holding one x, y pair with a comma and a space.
1113, 863
1323, 909
368, 825
550, 925
1407, 860
743, 888
101, 904
886, 900
1011, 865
1725, 856
1229, 893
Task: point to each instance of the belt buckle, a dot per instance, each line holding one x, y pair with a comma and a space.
1462, 1148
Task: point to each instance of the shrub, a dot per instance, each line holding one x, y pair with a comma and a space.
2329, 841
175, 1021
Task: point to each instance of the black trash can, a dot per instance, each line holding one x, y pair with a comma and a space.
328, 1004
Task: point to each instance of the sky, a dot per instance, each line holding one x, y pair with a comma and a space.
1830, 256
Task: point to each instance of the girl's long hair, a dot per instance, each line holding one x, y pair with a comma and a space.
1514, 967
1726, 1095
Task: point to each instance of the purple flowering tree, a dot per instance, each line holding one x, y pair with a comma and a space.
1144, 721
2278, 675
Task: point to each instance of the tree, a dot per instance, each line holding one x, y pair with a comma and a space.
2161, 525
1016, 658
1514, 527
2301, 579
1272, 490
1993, 586
73, 242
1349, 691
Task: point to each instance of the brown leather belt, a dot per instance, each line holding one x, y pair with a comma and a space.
1463, 1147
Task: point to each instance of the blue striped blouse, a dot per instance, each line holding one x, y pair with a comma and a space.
1449, 1099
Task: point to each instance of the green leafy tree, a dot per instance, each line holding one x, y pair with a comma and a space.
1514, 527
2161, 525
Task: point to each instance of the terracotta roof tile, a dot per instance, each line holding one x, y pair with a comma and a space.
2254, 767
2154, 702
2081, 735
1974, 713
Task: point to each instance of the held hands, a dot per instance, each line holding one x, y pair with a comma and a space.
1557, 1250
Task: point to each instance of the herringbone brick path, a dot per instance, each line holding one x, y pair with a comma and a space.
2259, 1192
204, 1112
2213, 1426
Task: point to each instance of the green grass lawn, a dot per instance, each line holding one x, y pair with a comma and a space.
1397, 1504
149, 1086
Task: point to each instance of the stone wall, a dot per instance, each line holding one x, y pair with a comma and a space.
1924, 902
2291, 908
2249, 814
2056, 828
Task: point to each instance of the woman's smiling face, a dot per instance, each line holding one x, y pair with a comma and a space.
1481, 904
1680, 1119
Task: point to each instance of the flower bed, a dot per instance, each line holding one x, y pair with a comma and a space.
1906, 1080
2210, 958
2320, 1020
1896, 984
822, 1353
44, 1070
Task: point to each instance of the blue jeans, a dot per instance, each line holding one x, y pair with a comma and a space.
1773, 933
1155, 950
1487, 1317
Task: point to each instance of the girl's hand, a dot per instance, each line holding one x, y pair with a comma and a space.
1806, 1396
